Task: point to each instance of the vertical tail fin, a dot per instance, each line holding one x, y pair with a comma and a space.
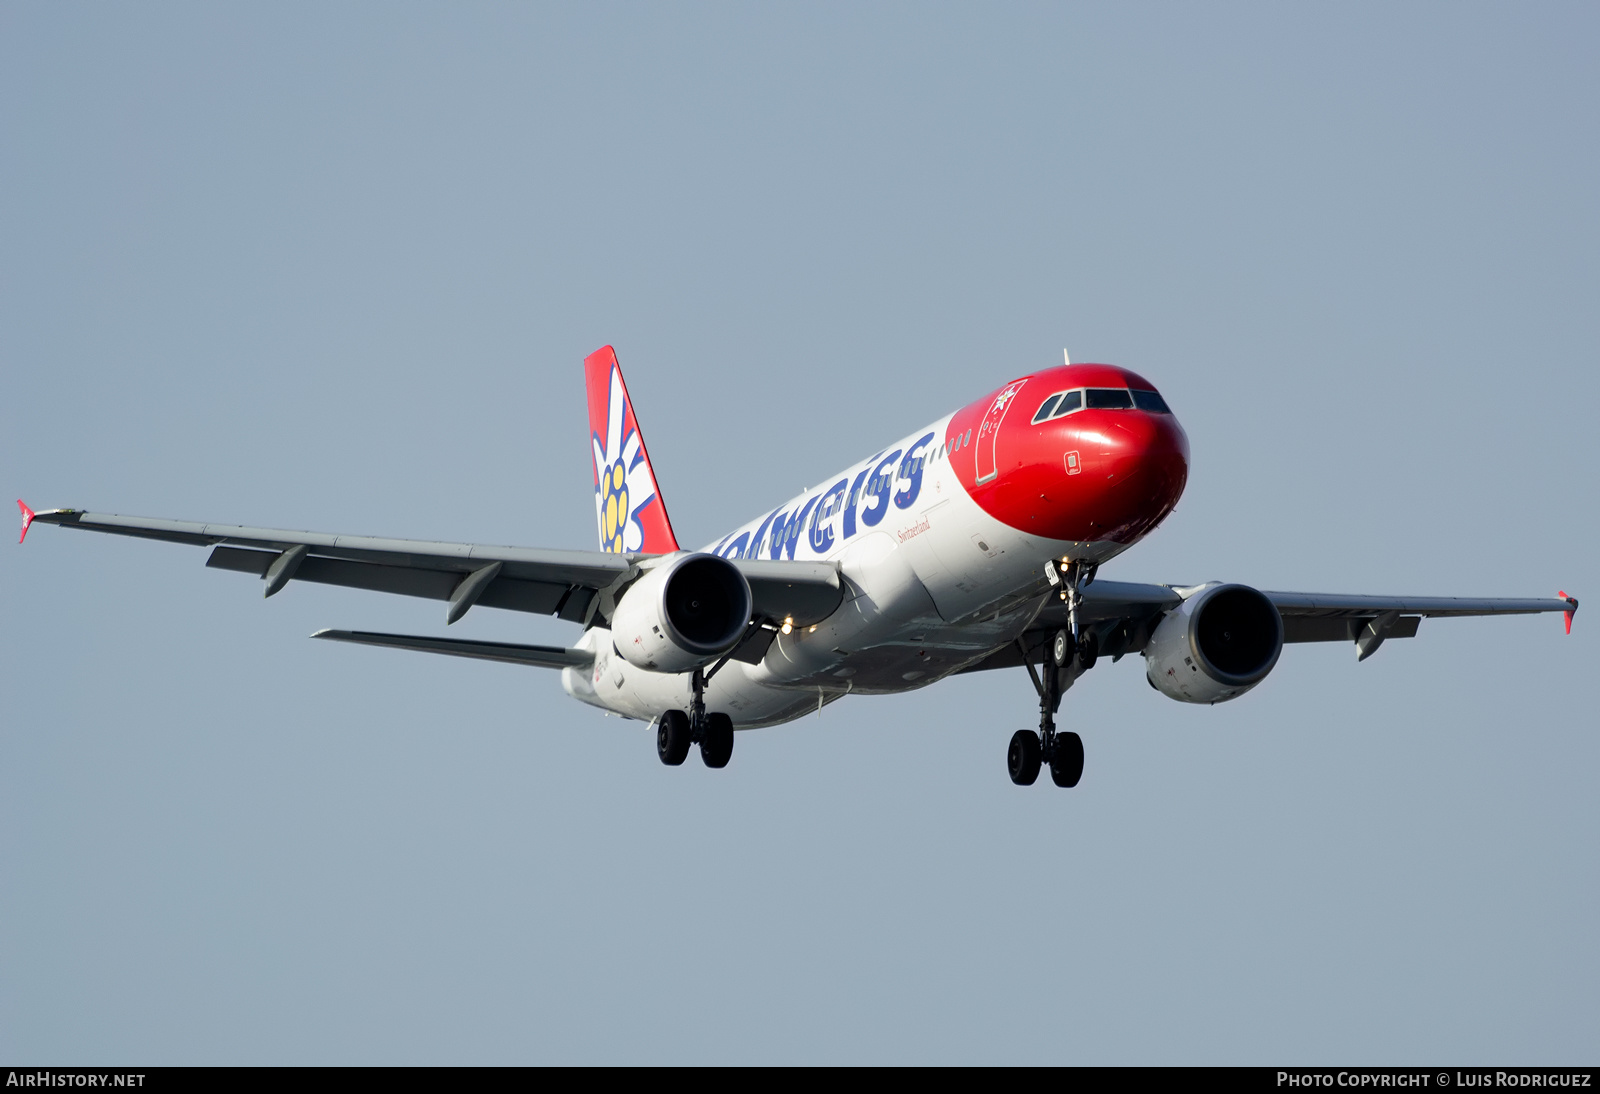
627, 501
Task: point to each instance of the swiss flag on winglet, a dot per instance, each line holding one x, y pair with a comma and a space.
27, 519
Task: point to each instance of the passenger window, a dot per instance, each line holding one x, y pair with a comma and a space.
1109, 398
1149, 400
1072, 400
1045, 408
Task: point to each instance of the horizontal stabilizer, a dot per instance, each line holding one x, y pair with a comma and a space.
549, 657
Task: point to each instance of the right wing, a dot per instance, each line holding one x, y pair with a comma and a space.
1122, 615
579, 586
1330, 617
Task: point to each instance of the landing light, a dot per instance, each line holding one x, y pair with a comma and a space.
788, 625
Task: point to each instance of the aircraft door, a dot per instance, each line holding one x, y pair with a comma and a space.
989, 433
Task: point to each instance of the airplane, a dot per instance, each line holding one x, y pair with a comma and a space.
968, 545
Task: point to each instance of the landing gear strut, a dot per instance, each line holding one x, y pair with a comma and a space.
1071, 652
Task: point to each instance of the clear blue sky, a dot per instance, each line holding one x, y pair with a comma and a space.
335, 267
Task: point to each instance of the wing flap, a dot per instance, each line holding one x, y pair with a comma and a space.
1311, 628
513, 594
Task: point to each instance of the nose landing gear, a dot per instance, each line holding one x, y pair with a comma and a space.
1063, 751
1070, 653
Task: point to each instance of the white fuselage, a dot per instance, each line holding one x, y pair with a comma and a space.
932, 582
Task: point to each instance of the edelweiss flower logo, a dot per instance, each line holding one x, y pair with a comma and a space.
625, 485
614, 511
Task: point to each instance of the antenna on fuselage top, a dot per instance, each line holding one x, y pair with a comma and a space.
1066, 358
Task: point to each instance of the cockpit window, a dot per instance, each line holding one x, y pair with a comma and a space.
1063, 403
1149, 400
1072, 400
1108, 398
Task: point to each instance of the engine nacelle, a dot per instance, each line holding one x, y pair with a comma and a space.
1218, 644
684, 613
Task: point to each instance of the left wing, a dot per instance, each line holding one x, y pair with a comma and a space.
579, 586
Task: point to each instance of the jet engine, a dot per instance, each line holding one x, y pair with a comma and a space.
682, 614
1215, 646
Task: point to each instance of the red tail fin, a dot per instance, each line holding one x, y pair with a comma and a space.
27, 519
627, 501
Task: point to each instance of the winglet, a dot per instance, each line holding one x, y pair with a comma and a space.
1572, 611
27, 519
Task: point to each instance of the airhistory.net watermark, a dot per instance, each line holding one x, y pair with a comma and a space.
49, 1078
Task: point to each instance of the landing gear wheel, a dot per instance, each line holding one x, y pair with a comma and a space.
672, 737
1022, 758
1061, 648
716, 741
1088, 652
1066, 759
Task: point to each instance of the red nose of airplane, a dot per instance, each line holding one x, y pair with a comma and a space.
1101, 470
1131, 467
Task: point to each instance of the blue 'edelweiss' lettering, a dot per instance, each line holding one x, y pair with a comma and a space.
822, 517
831, 517
911, 473
853, 497
791, 533
878, 490
754, 550
780, 526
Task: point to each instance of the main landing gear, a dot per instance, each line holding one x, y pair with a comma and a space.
676, 730
1069, 654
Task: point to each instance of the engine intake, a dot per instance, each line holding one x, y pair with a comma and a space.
1218, 644
684, 613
